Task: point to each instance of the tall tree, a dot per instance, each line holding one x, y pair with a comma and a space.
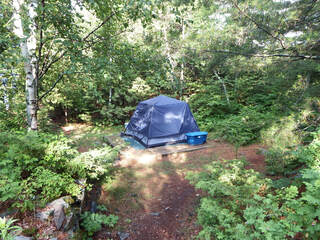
52, 31
28, 45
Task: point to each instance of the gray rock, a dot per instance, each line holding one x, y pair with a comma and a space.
45, 214
59, 216
51, 208
58, 202
154, 214
72, 221
22, 238
123, 236
53, 238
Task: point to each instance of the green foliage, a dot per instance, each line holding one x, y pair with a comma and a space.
38, 167
280, 162
282, 133
241, 204
7, 228
286, 161
240, 128
92, 222
243, 128
96, 165
12, 119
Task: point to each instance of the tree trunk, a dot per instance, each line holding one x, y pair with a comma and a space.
182, 64
224, 87
28, 46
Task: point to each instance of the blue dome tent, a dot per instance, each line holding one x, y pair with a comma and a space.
161, 120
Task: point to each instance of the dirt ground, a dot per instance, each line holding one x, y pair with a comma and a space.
154, 200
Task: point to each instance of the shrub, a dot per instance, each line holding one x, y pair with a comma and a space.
282, 133
243, 205
243, 128
92, 222
12, 119
37, 167
96, 164
281, 162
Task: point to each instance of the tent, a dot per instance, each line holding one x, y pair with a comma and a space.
161, 120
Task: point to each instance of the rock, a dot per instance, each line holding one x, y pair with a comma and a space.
8, 212
154, 214
60, 202
72, 220
123, 236
53, 238
59, 216
22, 238
45, 214
64, 217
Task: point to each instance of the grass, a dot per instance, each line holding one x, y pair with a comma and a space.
86, 136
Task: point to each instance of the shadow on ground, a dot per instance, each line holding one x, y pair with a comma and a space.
152, 197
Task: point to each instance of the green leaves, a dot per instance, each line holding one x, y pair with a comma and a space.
36, 168
92, 222
241, 204
7, 228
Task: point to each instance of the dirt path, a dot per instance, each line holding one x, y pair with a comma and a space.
154, 201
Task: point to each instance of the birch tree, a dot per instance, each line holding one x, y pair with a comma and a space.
55, 31
28, 46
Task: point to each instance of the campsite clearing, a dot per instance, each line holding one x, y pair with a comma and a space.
154, 200
151, 195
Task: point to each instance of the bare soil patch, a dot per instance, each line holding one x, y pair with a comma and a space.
154, 200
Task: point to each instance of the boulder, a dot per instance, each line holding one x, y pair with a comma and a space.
59, 216
57, 209
22, 238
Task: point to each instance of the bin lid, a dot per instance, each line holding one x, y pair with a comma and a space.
192, 134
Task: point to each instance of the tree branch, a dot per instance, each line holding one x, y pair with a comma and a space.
296, 56
259, 25
45, 70
52, 87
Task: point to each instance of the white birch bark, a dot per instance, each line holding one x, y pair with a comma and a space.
28, 44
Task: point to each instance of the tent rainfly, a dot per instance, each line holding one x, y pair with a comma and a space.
161, 120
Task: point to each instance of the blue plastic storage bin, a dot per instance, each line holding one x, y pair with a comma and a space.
196, 138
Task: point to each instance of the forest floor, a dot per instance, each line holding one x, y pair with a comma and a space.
152, 198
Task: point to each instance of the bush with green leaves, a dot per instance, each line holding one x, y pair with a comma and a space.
281, 162
38, 167
95, 164
241, 204
288, 160
93, 222
7, 229
243, 128
12, 119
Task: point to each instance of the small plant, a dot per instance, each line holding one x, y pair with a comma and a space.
7, 229
92, 222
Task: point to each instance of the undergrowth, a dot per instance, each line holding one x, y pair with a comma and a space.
38, 167
242, 204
